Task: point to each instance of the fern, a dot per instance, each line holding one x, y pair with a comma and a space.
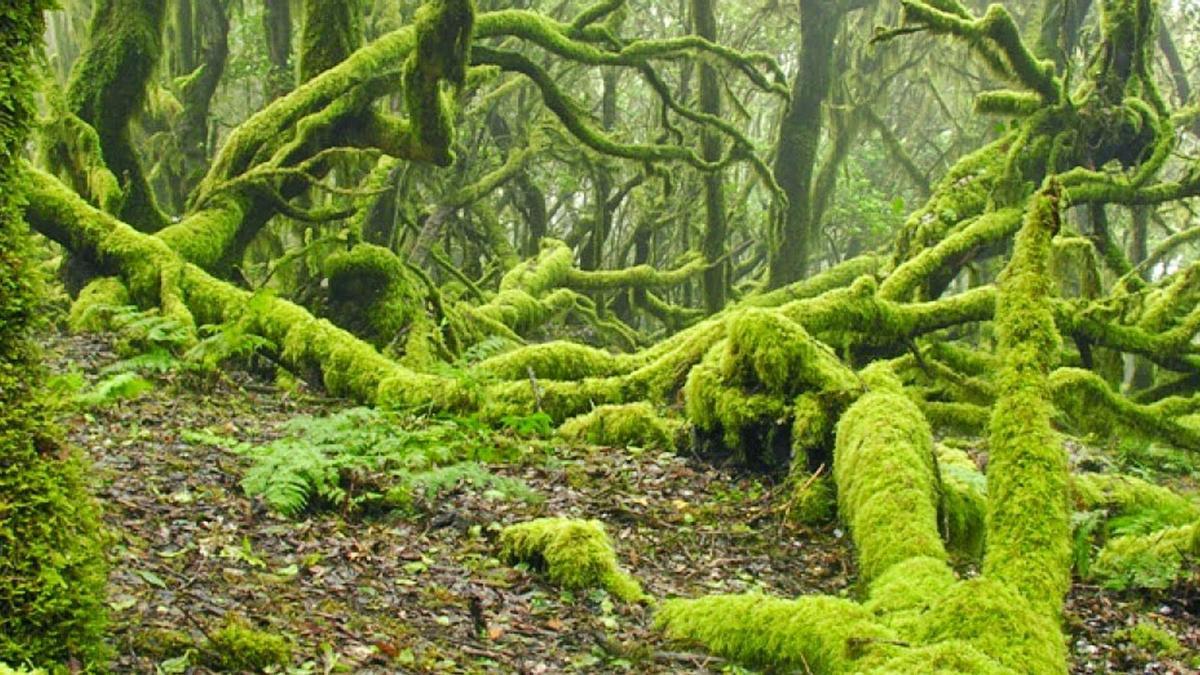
362, 458
120, 386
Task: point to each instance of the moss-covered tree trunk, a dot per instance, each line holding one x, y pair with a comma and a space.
716, 233
52, 569
799, 140
108, 87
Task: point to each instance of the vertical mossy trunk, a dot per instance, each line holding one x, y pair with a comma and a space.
716, 278
277, 24
799, 139
108, 88
196, 93
331, 31
51, 560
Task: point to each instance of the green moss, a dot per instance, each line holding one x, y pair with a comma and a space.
768, 348
52, 569
963, 507
1154, 560
814, 634
812, 500
1152, 638
575, 554
238, 646
91, 310
636, 424
555, 361
997, 622
372, 293
108, 87
1028, 523
1132, 505
887, 485
329, 32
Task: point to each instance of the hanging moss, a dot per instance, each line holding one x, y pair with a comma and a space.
575, 554
630, 424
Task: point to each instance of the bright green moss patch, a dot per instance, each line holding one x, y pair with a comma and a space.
91, 310
887, 485
636, 424
52, 569
574, 554
1150, 637
963, 507
813, 500
813, 634
238, 646
1000, 624
1152, 560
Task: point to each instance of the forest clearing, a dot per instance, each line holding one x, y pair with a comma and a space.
826, 336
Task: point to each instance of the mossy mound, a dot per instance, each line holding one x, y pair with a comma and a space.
237, 646
574, 554
635, 424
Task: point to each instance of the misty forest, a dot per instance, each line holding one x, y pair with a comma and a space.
667, 336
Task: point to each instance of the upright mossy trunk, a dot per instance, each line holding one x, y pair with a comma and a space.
330, 31
51, 560
716, 231
277, 24
799, 140
108, 88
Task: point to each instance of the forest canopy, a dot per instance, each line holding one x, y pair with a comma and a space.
928, 269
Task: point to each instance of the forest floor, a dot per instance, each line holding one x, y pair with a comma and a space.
425, 592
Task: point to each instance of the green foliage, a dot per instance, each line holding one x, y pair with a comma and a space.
237, 646
364, 459
574, 554
117, 387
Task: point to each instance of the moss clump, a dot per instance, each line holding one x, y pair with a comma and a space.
634, 424
1152, 638
1153, 560
999, 623
237, 646
963, 507
575, 554
813, 499
91, 311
